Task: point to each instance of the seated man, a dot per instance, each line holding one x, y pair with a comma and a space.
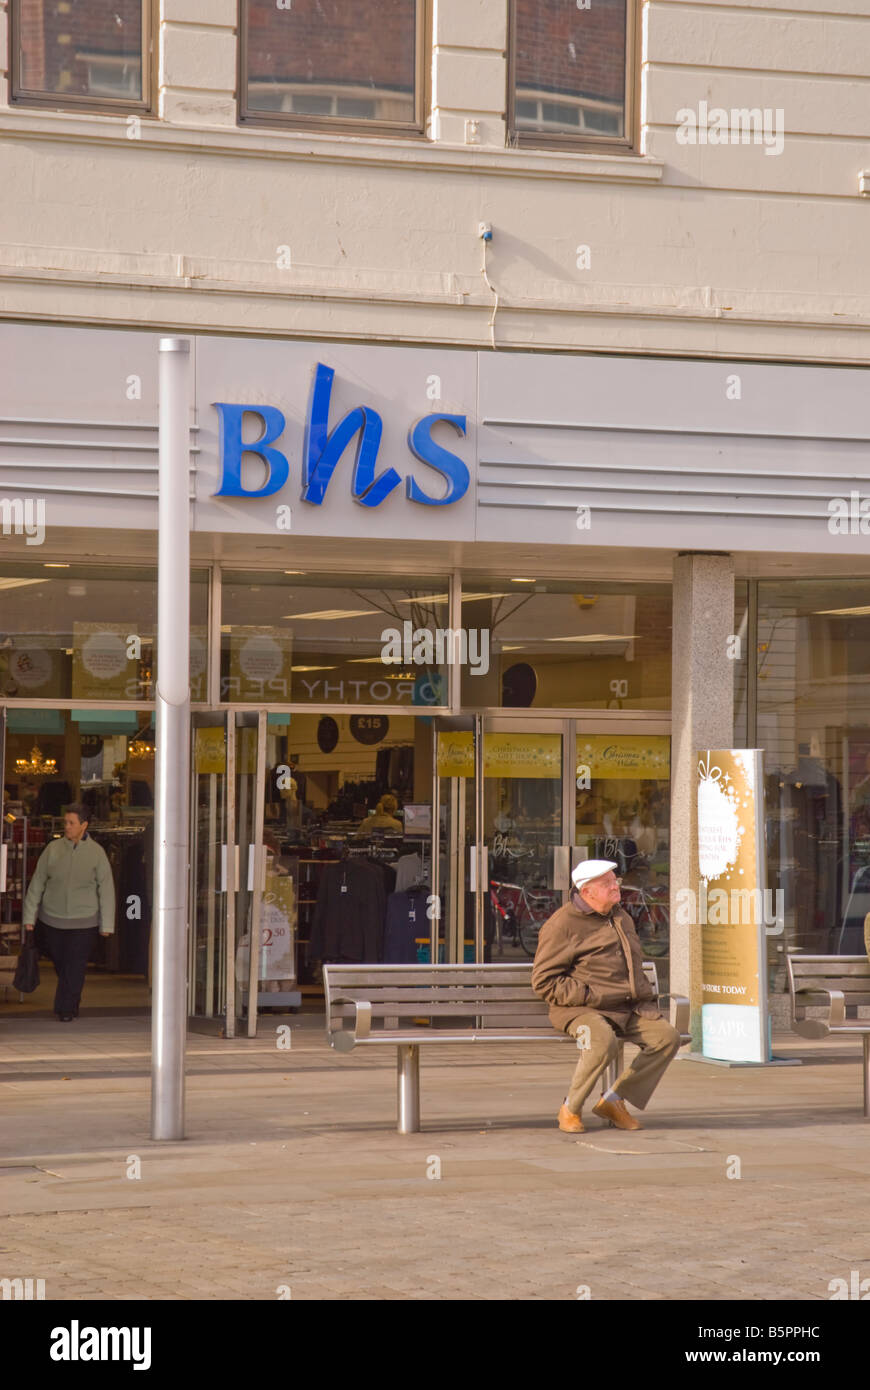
589, 968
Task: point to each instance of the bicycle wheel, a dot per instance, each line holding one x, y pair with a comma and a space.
528, 933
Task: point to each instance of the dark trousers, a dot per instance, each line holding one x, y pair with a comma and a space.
69, 951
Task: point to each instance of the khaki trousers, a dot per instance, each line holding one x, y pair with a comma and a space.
658, 1042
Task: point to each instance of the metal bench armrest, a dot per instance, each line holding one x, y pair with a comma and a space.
347, 1038
818, 1027
680, 1012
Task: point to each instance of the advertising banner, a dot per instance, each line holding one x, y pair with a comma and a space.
732, 905
210, 750
102, 670
260, 664
504, 755
625, 756
32, 667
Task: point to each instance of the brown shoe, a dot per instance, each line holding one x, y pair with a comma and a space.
570, 1123
616, 1113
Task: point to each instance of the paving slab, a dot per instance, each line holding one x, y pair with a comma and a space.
292, 1174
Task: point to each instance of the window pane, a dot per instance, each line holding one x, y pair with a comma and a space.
740, 655
87, 48
327, 58
561, 645
68, 632
299, 639
813, 674
570, 67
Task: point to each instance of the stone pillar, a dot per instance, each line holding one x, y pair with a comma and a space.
702, 704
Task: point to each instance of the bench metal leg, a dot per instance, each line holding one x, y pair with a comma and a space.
408, 1081
866, 1042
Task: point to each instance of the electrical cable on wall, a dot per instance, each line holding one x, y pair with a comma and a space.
484, 231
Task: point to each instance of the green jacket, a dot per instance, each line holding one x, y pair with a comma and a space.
72, 881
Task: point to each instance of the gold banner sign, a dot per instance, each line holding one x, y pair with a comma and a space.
504, 755
625, 756
732, 905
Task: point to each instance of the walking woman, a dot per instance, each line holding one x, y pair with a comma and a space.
70, 899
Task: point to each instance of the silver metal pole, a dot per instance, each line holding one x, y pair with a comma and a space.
172, 808
408, 1083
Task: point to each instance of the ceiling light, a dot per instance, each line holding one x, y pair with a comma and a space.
54, 565
328, 615
425, 598
594, 637
523, 581
842, 612
294, 571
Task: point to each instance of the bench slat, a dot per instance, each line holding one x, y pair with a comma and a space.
464, 1009
402, 978
805, 993
830, 965
426, 992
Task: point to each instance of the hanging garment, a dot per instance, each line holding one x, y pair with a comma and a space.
349, 916
409, 870
387, 873
406, 920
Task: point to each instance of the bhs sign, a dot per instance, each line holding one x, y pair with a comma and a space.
322, 450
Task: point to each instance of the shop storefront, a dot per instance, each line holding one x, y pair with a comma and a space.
431, 651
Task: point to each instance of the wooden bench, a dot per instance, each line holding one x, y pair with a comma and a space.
838, 984
476, 1003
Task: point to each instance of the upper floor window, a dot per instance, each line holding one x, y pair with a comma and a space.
81, 53
572, 72
332, 65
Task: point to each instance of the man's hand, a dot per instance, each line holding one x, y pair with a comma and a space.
28, 928
106, 933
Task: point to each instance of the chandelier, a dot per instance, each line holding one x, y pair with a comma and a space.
36, 765
140, 748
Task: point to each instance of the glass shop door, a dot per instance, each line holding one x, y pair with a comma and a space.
236, 938
524, 808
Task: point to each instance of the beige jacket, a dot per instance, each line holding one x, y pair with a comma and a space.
588, 961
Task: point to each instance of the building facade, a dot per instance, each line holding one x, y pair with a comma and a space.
548, 325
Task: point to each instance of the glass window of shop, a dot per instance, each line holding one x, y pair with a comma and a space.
813, 693
347, 832
105, 760
292, 638
88, 632
740, 655
623, 813
566, 645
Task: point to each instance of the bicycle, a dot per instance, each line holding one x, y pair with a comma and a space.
523, 910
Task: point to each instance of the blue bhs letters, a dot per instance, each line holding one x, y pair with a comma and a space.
322, 450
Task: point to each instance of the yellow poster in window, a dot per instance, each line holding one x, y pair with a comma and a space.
209, 750
260, 664
504, 755
625, 756
105, 665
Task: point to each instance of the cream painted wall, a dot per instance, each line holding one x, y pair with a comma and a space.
719, 250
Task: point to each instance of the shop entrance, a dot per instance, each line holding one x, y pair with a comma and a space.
519, 802
102, 759
243, 881
311, 840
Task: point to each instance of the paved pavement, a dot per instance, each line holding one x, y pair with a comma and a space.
292, 1178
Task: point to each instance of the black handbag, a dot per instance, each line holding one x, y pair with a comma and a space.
27, 970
